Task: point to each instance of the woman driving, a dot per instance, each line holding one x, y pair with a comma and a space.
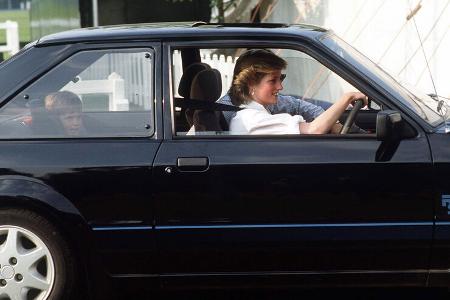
256, 84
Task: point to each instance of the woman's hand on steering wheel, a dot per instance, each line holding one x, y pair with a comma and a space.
358, 101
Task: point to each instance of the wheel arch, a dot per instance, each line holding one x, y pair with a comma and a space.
20, 192
33, 194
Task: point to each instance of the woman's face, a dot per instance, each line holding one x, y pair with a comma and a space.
266, 91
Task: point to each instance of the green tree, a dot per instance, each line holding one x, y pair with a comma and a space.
222, 7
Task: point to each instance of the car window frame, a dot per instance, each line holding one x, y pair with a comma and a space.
76, 48
309, 47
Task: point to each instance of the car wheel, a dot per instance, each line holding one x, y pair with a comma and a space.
35, 261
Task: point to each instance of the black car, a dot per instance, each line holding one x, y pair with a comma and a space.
141, 188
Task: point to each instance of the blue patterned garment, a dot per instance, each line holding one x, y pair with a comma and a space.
285, 104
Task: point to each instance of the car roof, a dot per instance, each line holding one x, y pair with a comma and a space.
169, 30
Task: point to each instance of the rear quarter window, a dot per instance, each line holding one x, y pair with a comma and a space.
101, 93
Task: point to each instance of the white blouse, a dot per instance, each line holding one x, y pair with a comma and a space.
255, 119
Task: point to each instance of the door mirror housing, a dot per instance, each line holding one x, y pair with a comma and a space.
391, 127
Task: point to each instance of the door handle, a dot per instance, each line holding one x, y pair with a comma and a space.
192, 164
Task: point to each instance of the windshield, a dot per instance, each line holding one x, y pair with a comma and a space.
421, 104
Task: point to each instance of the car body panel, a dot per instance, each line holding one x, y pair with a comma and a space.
440, 262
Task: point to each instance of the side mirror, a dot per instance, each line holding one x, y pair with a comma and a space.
388, 125
391, 127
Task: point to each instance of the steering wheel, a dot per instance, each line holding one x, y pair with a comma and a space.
352, 116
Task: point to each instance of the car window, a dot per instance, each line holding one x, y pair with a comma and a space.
202, 107
311, 81
425, 107
102, 93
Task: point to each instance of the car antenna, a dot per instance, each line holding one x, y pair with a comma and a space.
442, 107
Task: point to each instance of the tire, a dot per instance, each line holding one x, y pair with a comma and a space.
35, 261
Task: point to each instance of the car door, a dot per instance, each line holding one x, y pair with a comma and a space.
292, 205
105, 167
440, 261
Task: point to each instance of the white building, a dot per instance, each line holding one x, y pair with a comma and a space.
384, 30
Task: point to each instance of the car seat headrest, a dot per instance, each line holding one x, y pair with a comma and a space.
207, 85
184, 88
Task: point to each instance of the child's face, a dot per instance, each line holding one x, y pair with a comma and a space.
71, 122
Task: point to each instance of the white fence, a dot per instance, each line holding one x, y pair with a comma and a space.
125, 77
12, 37
225, 65
113, 86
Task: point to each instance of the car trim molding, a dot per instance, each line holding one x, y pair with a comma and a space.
265, 273
234, 226
115, 228
165, 227
442, 223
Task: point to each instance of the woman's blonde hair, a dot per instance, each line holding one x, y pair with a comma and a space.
250, 68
